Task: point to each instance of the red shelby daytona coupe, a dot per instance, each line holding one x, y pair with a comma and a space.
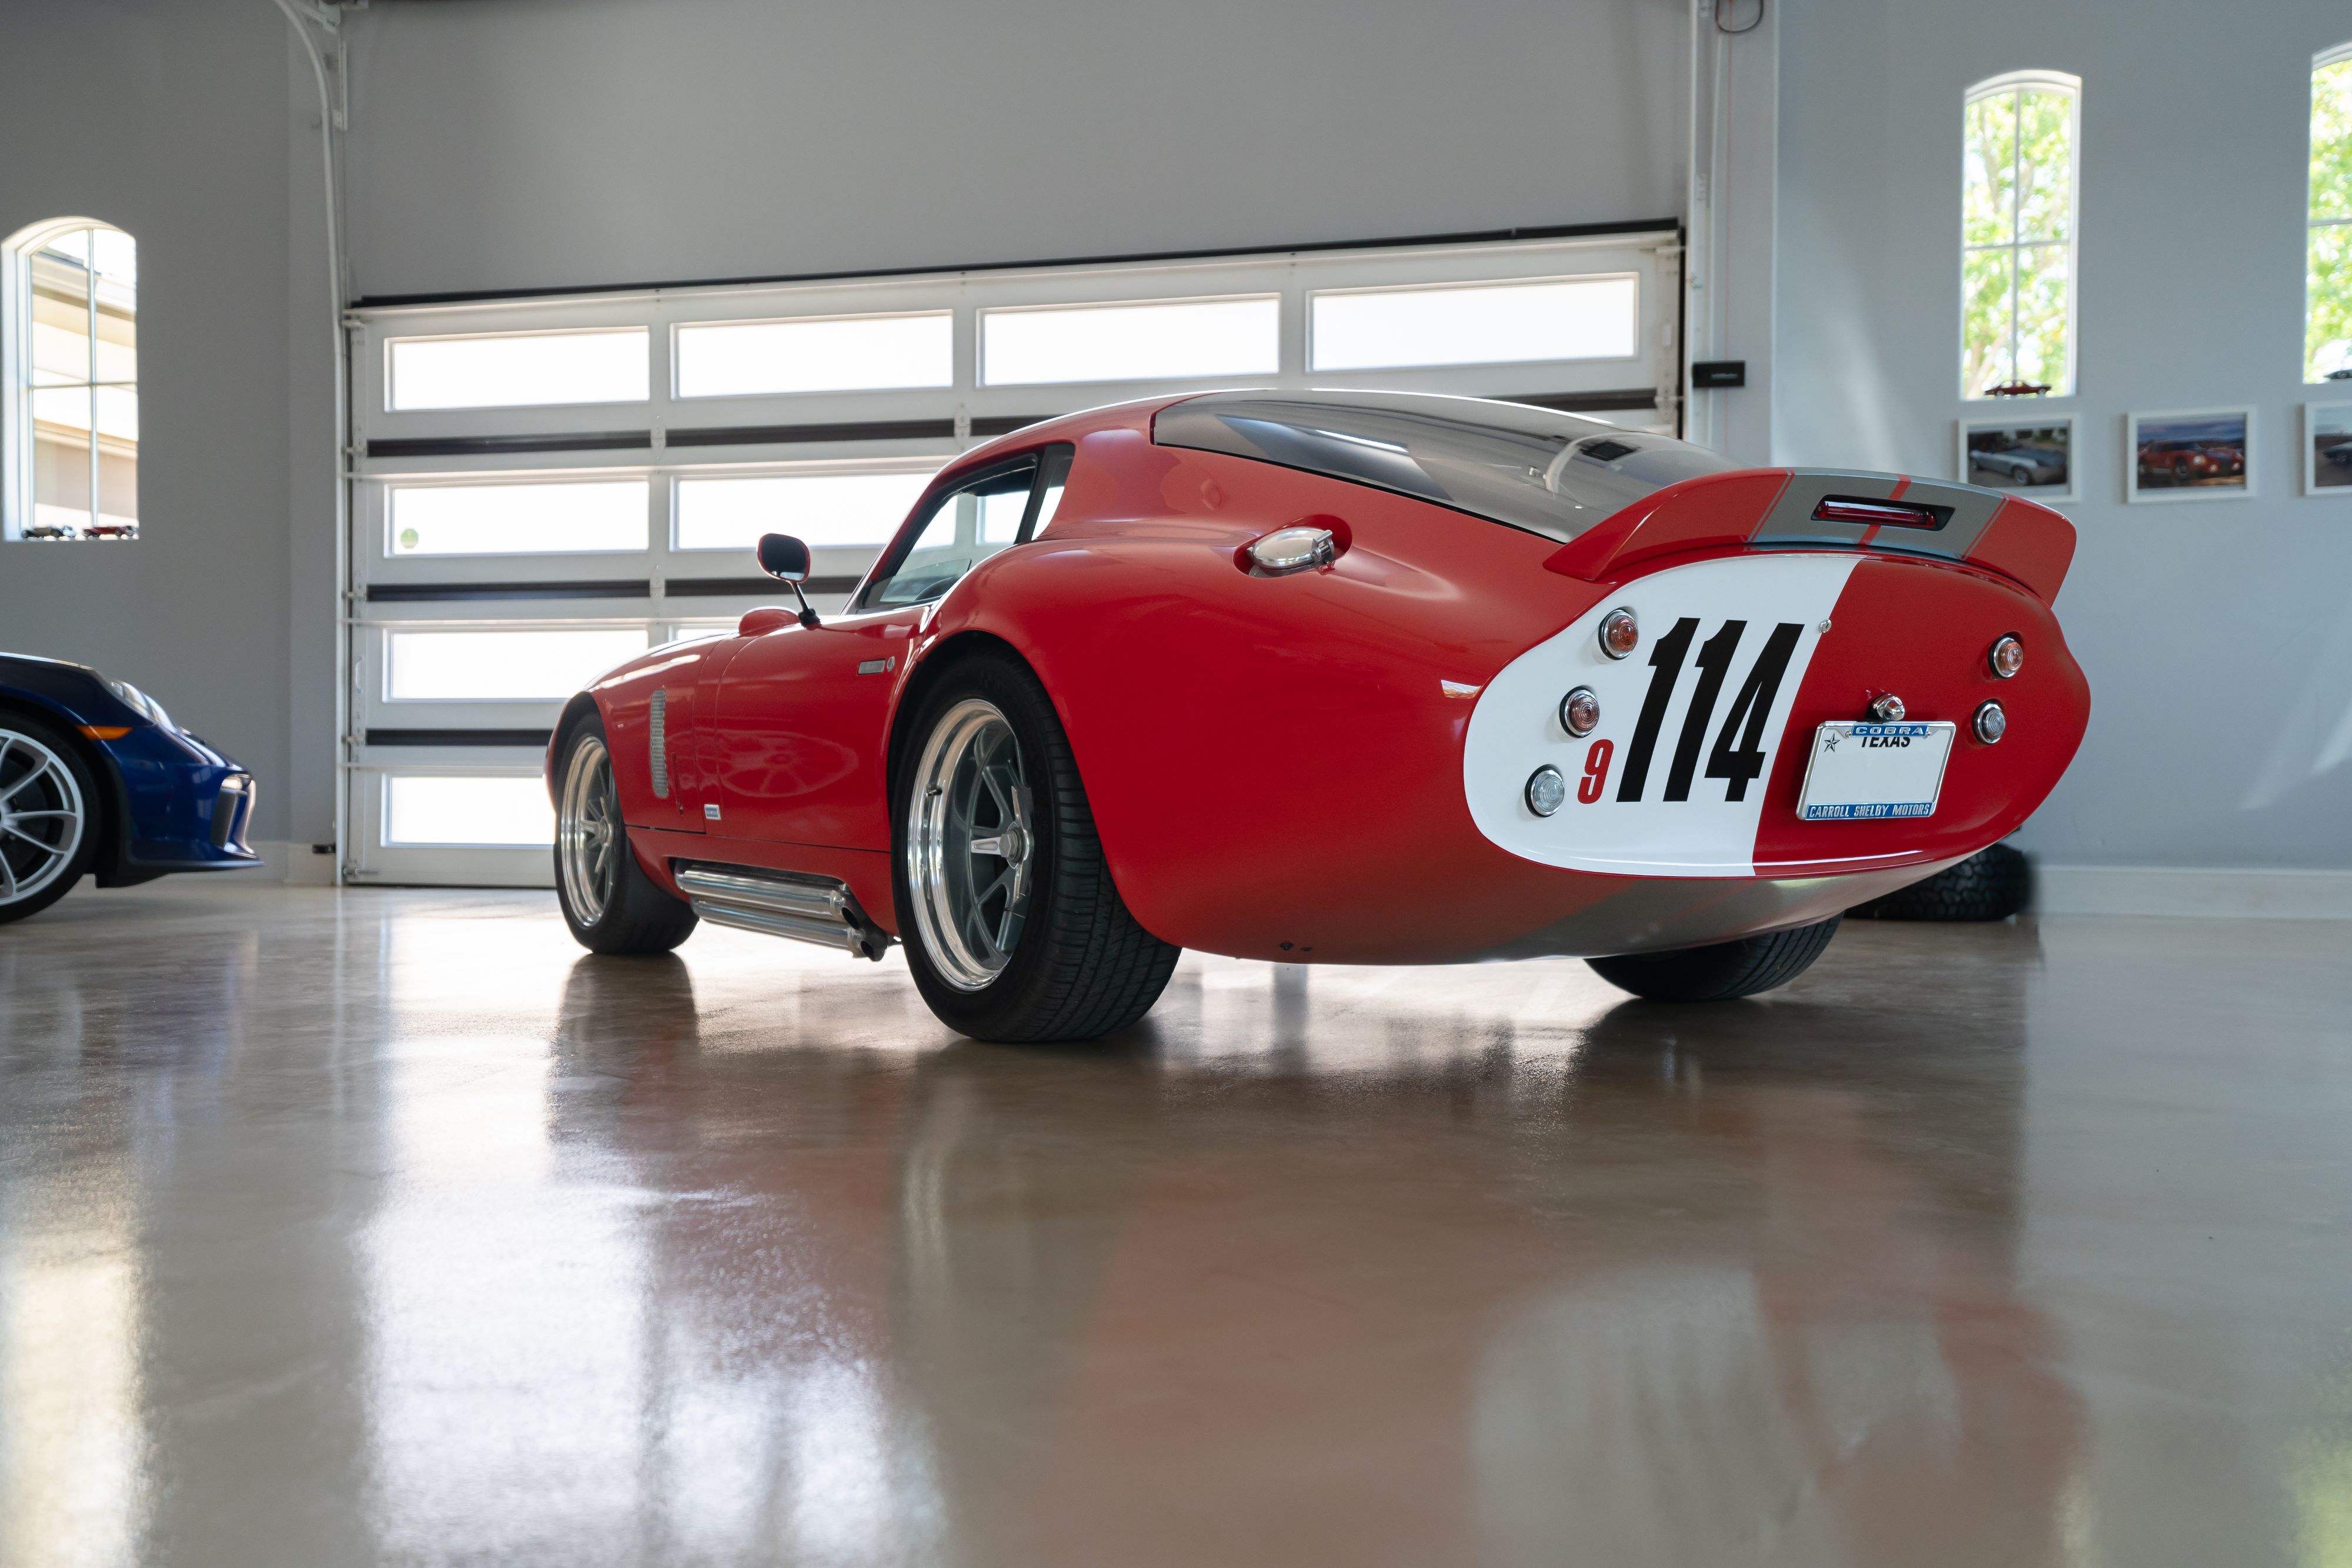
1335, 677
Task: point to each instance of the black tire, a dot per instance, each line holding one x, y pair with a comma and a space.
1721, 972
1992, 885
64, 747
1080, 966
631, 913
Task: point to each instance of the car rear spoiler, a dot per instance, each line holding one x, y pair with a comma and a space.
1812, 509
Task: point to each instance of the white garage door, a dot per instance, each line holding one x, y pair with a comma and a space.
549, 486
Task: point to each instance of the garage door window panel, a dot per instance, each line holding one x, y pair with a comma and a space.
572, 516
515, 370
1515, 322
827, 510
502, 665
423, 811
1166, 339
816, 354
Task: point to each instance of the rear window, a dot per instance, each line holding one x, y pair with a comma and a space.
1551, 473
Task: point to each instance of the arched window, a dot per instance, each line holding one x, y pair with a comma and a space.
2327, 277
71, 362
2017, 227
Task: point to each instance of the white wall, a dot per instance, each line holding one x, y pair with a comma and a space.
2216, 634
169, 122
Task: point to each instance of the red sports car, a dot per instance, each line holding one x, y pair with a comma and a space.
1344, 678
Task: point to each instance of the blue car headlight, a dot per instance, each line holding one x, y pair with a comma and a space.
139, 702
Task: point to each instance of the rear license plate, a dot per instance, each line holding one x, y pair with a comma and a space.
1860, 772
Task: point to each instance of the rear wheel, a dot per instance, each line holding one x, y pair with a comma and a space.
609, 902
1013, 927
1720, 972
48, 816
1992, 885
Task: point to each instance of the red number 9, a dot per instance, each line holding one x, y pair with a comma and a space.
1596, 771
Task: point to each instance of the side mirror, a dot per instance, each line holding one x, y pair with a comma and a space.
782, 556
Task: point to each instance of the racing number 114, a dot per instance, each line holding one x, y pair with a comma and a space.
1738, 755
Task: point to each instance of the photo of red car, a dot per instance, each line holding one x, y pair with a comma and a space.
2189, 451
1335, 677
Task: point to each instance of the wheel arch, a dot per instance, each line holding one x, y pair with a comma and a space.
936, 663
113, 825
581, 705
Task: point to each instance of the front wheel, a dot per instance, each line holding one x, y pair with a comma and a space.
48, 816
609, 902
1720, 972
1013, 927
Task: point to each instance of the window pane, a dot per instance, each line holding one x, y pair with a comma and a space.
2045, 156
61, 458
435, 809
518, 519
1988, 203
1132, 343
118, 414
60, 322
849, 353
820, 509
2331, 140
117, 257
2327, 328
1483, 323
503, 666
2041, 284
1986, 276
118, 456
514, 369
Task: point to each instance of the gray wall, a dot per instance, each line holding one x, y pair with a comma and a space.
2216, 634
169, 122
534, 144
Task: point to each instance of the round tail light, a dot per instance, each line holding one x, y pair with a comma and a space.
1546, 790
2007, 657
1990, 723
1580, 711
1620, 634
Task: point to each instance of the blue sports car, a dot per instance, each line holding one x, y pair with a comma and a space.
95, 777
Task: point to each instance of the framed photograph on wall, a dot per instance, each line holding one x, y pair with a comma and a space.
2188, 455
2035, 457
2327, 449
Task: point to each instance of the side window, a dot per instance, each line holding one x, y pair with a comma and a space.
963, 528
1049, 491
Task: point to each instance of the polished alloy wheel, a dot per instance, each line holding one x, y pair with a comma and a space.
42, 817
970, 843
588, 833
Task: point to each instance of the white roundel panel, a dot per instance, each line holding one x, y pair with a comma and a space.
1671, 782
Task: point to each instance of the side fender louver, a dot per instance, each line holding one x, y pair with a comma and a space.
657, 742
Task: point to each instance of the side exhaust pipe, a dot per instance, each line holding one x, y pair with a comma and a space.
780, 903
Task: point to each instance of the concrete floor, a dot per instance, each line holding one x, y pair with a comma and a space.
386, 1228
